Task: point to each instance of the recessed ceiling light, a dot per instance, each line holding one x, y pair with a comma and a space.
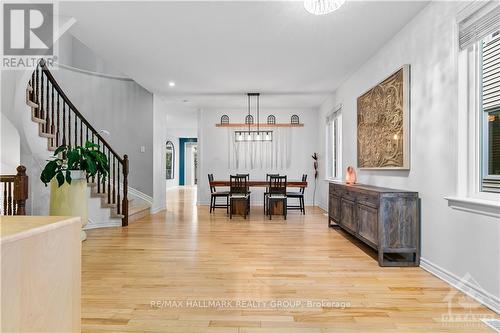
171, 84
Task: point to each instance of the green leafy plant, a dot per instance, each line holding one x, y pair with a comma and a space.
89, 159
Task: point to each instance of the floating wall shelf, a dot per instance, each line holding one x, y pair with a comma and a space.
264, 125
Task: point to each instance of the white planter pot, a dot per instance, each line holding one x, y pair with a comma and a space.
70, 200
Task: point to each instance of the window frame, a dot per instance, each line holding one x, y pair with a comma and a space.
469, 196
333, 149
483, 119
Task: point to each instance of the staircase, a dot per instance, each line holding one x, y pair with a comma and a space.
60, 122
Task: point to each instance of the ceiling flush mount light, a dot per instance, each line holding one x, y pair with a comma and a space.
322, 7
171, 84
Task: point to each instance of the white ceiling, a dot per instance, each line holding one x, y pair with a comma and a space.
217, 51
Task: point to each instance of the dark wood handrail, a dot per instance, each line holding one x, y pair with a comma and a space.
74, 108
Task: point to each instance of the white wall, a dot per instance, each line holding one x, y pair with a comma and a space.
453, 241
160, 109
10, 155
72, 52
123, 108
213, 154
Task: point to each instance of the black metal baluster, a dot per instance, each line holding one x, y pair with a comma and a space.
69, 126
47, 108
58, 123
109, 178
103, 175
32, 84
37, 92
40, 105
76, 130
98, 175
118, 202
114, 170
52, 126
64, 123
93, 177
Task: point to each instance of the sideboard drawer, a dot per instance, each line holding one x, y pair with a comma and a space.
368, 200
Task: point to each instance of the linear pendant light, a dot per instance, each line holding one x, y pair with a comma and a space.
250, 135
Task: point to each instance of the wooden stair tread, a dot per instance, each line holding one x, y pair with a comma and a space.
38, 120
32, 104
47, 135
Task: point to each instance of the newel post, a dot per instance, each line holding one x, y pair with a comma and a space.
20, 190
125, 191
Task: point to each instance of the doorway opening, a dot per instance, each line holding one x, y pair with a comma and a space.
188, 161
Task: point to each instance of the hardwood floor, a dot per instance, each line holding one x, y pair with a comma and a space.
186, 254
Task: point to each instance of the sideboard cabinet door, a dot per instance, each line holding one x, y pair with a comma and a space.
368, 224
347, 215
334, 208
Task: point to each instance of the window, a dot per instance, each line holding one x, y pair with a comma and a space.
169, 160
333, 144
478, 176
489, 71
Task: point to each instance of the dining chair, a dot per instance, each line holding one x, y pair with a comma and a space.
238, 191
298, 195
277, 192
266, 192
214, 194
247, 176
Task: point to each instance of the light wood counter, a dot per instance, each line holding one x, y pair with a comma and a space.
40, 273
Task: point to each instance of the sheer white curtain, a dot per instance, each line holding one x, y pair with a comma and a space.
274, 155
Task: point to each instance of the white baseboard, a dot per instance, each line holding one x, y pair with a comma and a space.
140, 195
174, 187
323, 206
157, 209
464, 285
111, 223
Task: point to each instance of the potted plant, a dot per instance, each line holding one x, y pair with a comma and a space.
316, 174
67, 174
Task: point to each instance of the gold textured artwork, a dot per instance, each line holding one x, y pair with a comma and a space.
383, 124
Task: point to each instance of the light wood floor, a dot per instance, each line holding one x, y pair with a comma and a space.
186, 254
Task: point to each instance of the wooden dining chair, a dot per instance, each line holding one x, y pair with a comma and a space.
214, 194
266, 192
298, 195
277, 192
238, 191
247, 176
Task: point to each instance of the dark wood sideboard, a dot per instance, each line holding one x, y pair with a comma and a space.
387, 220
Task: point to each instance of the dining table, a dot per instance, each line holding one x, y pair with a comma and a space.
258, 183
276, 209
